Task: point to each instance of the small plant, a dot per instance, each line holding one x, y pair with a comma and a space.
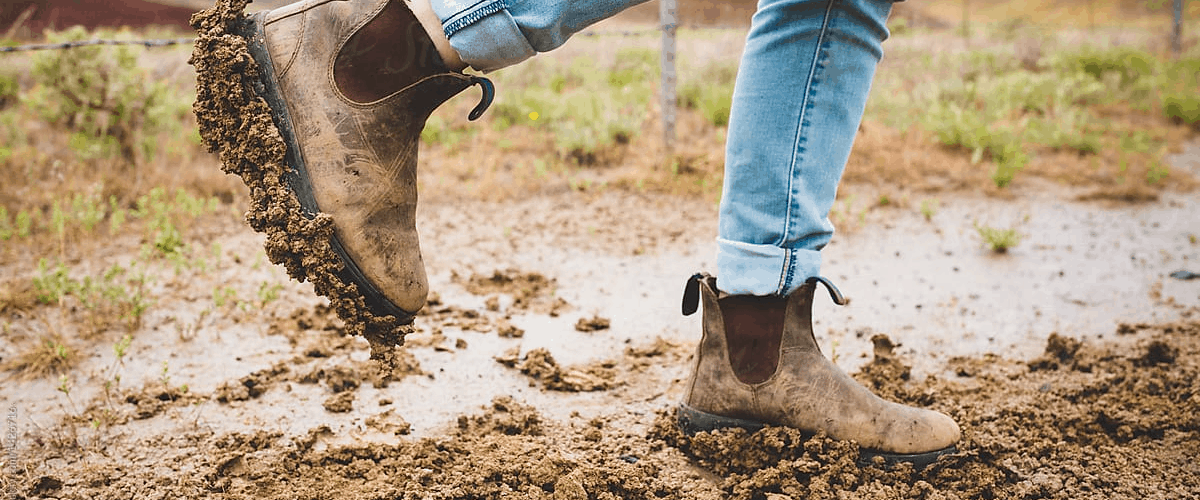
24, 223
224, 295
998, 240
6, 226
50, 286
268, 292
165, 377
929, 207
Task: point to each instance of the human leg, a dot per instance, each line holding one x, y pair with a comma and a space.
799, 96
798, 99
492, 34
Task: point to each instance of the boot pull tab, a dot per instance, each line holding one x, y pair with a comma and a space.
691, 294
489, 92
834, 293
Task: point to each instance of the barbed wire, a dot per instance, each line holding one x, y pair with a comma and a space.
86, 43
165, 42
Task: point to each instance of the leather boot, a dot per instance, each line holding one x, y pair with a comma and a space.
350, 85
759, 364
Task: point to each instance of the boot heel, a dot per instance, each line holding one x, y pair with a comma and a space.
692, 421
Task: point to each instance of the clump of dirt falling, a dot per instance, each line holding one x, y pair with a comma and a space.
237, 123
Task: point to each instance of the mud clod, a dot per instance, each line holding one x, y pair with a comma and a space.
341, 402
540, 365
592, 324
532, 292
235, 122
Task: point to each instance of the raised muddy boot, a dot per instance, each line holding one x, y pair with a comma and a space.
759, 364
319, 106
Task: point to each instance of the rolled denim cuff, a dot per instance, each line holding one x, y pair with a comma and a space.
749, 269
485, 35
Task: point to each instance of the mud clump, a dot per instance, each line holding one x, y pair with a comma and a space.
592, 324
1060, 350
532, 292
341, 402
540, 365
235, 122
251, 386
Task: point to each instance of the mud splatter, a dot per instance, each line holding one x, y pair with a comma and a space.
236, 122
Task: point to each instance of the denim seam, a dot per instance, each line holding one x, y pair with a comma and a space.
452, 27
809, 91
790, 258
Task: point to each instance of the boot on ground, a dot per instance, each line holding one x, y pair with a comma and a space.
759, 364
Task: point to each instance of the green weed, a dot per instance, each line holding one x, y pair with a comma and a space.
224, 295
110, 104
268, 292
998, 240
929, 207
114, 296
10, 90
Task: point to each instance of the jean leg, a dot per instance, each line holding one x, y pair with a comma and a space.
493, 34
798, 99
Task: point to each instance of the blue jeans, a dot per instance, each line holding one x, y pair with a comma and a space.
799, 97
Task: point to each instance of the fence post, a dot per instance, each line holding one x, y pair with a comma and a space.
1177, 33
666, 21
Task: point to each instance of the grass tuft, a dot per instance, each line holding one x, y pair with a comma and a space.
998, 240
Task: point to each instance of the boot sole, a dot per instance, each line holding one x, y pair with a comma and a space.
297, 174
239, 111
692, 421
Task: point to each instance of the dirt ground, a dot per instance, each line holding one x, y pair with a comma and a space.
552, 354
1074, 386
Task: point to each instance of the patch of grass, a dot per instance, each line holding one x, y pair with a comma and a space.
710, 91
998, 240
587, 107
114, 297
47, 356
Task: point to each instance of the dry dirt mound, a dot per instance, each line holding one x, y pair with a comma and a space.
1112, 420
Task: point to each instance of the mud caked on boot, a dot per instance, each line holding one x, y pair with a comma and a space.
759, 364
347, 85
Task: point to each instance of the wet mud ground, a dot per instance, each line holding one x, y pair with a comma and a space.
549, 361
